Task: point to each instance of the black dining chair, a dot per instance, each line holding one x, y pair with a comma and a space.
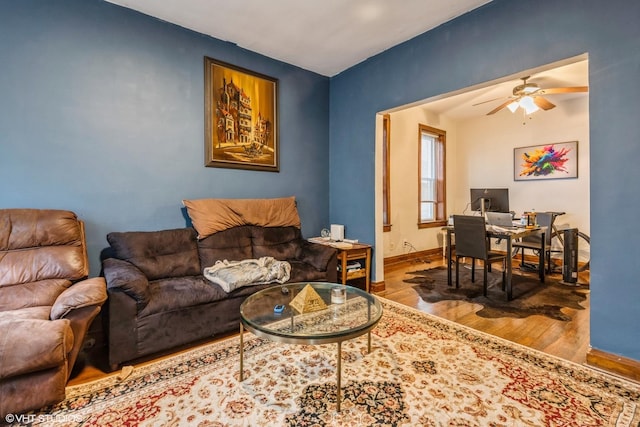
534, 242
472, 242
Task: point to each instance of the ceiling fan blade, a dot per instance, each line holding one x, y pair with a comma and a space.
564, 90
490, 100
500, 107
543, 103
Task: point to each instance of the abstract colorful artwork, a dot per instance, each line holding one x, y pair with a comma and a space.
240, 118
548, 161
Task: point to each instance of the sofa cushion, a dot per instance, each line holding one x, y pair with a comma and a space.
211, 216
281, 243
179, 292
158, 254
316, 255
233, 244
303, 272
33, 294
40, 244
32, 228
187, 292
47, 345
39, 313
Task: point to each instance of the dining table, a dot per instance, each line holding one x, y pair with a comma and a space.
508, 234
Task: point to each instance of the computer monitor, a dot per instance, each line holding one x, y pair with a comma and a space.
496, 199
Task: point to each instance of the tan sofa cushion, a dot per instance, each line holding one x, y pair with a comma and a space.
210, 216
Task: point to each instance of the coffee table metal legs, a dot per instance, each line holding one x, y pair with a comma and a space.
339, 370
241, 353
338, 374
338, 364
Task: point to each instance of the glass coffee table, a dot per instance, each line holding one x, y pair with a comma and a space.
350, 312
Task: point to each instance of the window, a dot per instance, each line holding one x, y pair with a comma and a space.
431, 176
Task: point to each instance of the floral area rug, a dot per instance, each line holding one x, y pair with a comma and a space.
530, 297
422, 371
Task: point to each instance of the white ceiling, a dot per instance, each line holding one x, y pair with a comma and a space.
324, 36
330, 36
461, 104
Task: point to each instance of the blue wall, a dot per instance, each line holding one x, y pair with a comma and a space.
101, 112
502, 38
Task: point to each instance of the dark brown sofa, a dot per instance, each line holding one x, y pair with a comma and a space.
159, 298
47, 304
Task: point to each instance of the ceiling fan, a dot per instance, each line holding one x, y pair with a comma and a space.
529, 96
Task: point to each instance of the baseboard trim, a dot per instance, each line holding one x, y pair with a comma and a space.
391, 262
413, 256
613, 363
377, 286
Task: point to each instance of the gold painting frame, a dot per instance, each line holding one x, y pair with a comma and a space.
241, 118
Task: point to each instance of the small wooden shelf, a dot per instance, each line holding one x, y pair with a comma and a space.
358, 252
356, 274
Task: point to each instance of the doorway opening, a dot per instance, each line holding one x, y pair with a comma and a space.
480, 154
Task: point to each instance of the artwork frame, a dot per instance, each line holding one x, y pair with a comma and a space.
241, 118
556, 160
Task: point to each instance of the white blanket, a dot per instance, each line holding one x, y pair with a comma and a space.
230, 275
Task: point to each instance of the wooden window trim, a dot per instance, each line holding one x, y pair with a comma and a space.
432, 224
441, 181
386, 179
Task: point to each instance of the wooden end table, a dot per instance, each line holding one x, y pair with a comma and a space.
358, 251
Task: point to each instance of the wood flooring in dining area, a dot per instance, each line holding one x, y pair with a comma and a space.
568, 340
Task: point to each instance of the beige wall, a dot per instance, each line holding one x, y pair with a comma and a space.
480, 154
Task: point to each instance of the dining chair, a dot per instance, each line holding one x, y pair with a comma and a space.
534, 242
472, 242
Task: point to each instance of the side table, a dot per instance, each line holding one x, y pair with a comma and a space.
357, 252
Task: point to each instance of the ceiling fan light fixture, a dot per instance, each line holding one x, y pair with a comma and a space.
530, 97
529, 106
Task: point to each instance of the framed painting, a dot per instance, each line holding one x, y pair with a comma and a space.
241, 118
548, 161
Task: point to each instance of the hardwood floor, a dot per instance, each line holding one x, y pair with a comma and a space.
568, 340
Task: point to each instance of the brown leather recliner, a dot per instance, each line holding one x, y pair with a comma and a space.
47, 304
